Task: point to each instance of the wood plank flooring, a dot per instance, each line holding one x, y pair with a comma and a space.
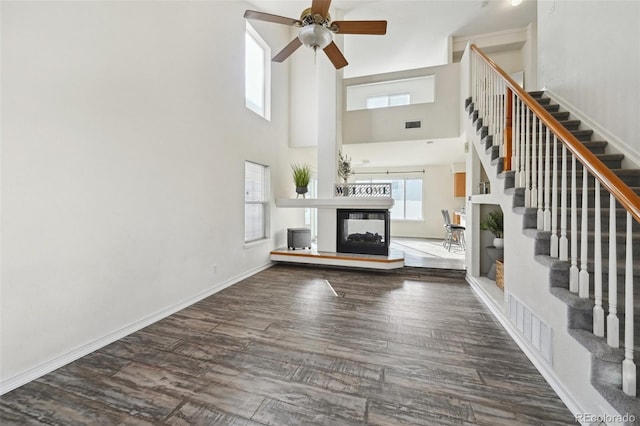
303, 346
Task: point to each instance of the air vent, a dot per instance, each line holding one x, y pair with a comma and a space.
412, 124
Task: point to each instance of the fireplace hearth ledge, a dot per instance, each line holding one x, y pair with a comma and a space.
313, 257
337, 203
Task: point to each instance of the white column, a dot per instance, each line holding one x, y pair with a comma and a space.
328, 146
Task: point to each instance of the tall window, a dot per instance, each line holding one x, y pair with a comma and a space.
407, 196
257, 73
256, 201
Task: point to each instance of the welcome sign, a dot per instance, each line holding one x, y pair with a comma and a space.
363, 190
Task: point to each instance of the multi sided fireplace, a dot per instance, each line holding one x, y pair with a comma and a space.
363, 231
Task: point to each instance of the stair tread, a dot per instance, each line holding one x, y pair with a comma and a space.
608, 359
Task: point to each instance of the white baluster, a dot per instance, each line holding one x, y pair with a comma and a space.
584, 237
628, 367
553, 214
527, 159
547, 184
523, 146
534, 163
573, 270
613, 326
598, 312
540, 212
514, 137
564, 242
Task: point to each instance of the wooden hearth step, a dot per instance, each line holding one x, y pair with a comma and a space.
314, 257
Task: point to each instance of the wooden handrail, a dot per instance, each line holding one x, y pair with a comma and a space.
612, 183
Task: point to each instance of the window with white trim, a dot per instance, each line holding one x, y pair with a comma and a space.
257, 73
385, 101
256, 201
407, 196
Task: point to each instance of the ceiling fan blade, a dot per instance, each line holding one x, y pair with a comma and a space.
261, 16
335, 56
360, 27
288, 50
320, 7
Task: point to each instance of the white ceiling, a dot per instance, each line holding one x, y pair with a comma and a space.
417, 36
417, 30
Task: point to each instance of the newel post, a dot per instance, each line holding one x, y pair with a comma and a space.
508, 121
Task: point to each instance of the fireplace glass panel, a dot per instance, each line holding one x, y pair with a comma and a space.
363, 231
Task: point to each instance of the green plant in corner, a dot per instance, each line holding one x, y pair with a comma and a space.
494, 222
301, 177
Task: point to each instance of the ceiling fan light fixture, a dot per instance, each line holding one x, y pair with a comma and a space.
315, 36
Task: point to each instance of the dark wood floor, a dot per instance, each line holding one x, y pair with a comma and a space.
294, 345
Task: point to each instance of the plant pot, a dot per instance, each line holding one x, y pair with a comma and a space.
498, 242
302, 190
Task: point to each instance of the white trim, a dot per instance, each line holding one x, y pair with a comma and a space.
33, 373
337, 261
541, 365
614, 141
337, 203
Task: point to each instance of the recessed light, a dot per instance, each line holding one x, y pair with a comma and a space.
515, 2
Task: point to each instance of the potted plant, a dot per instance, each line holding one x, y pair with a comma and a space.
494, 222
301, 177
344, 166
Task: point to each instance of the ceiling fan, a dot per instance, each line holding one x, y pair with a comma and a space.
317, 30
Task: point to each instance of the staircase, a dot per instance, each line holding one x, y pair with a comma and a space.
606, 366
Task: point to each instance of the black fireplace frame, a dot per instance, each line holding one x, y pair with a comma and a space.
351, 247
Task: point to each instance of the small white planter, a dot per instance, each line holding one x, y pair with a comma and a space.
498, 242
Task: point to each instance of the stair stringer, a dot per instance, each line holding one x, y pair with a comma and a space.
569, 372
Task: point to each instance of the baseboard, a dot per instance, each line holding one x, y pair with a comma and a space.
531, 353
615, 142
18, 380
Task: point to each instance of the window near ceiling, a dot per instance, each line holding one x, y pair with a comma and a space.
385, 101
257, 73
256, 202
385, 94
407, 196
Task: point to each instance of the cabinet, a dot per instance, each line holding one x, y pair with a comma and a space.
459, 184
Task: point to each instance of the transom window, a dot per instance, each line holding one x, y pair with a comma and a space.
385, 94
385, 101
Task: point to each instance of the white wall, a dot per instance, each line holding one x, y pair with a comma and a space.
123, 146
437, 194
589, 56
439, 119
